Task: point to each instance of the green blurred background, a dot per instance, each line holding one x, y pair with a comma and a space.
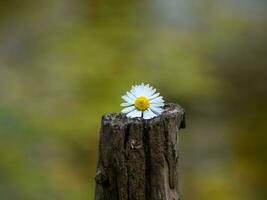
65, 63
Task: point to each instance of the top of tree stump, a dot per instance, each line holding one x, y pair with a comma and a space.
171, 110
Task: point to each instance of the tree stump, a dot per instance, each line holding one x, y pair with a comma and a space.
138, 158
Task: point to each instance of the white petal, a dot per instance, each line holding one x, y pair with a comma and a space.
161, 104
130, 95
135, 113
136, 90
148, 91
145, 93
140, 90
145, 90
127, 99
157, 100
156, 110
128, 109
153, 96
151, 113
126, 104
147, 86
153, 91
146, 115
130, 114
133, 91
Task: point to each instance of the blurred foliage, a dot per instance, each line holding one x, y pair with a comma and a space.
65, 63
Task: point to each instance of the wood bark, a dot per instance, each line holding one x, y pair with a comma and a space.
138, 158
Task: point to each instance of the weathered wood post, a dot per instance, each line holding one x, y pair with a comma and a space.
138, 158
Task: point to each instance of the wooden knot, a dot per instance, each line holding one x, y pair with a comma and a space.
134, 144
101, 177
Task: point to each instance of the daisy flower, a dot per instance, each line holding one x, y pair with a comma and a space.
142, 101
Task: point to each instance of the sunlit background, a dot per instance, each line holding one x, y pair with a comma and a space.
63, 64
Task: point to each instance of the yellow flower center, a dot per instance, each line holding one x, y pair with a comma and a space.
142, 103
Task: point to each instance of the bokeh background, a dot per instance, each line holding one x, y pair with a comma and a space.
65, 63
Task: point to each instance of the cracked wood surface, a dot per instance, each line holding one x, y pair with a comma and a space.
138, 158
